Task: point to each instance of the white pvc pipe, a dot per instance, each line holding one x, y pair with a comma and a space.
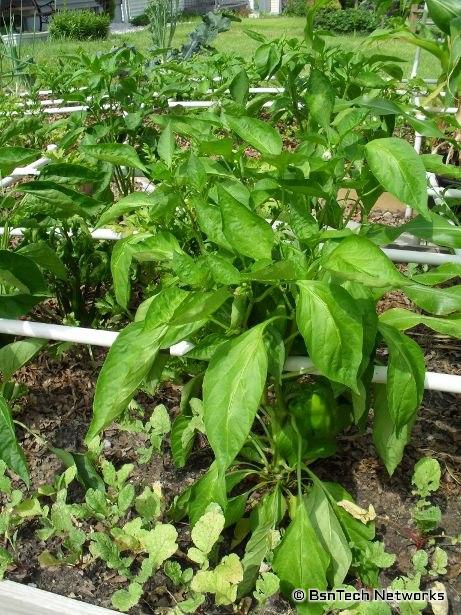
433, 381
418, 256
31, 169
394, 254
98, 337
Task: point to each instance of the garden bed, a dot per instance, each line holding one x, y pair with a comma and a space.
58, 406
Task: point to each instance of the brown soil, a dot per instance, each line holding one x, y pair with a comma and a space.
58, 406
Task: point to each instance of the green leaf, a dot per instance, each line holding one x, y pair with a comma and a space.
261, 135
436, 229
222, 581
441, 274
12, 157
426, 476
195, 173
300, 561
400, 171
21, 272
439, 562
267, 585
239, 87
405, 376
182, 439
103, 547
222, 270
404, 319
232, 389
199, 305
10, 451
247, 233
63, 202
13, 356
211, 487
330, 534
210, 222
130, 203
124, 599
148, 504
45, 257
166, 145
433, 163
438, 301
442, 12
208, 528
331, 325
359, 259
264, 518
120, 154
320, 98
389, 443
120, 263
128, 362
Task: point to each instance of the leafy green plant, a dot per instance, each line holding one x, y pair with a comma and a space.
81, 25
347, 20
446, 14
426, 479
162, 16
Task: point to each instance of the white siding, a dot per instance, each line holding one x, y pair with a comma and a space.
76, 4
136, 7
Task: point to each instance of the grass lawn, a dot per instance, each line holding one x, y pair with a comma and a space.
236, 42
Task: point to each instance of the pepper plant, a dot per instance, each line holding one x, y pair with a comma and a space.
257, 269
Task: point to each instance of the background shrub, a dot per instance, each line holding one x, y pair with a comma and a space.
347, 20
79, 25
140, 20
299, 8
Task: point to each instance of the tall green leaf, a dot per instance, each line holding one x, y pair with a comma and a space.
264, 518
10, 451
166, 145
12, 157
261, 135
389, 442
300, 561
13, 356
359, 259
128, 362
239, 87
120, 154
331, 326
404, 319
439, 301
405, 376
320, 98
45, 257
443, 11
435, 229
247, 233
132, 202
400, 171
330, 533
232, 389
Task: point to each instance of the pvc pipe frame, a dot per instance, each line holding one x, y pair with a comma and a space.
31, 169
96, 337
105, 234
396, 255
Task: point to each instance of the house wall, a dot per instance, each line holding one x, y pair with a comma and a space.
76, 4
136, 7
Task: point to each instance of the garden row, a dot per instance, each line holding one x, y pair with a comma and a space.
234, 249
